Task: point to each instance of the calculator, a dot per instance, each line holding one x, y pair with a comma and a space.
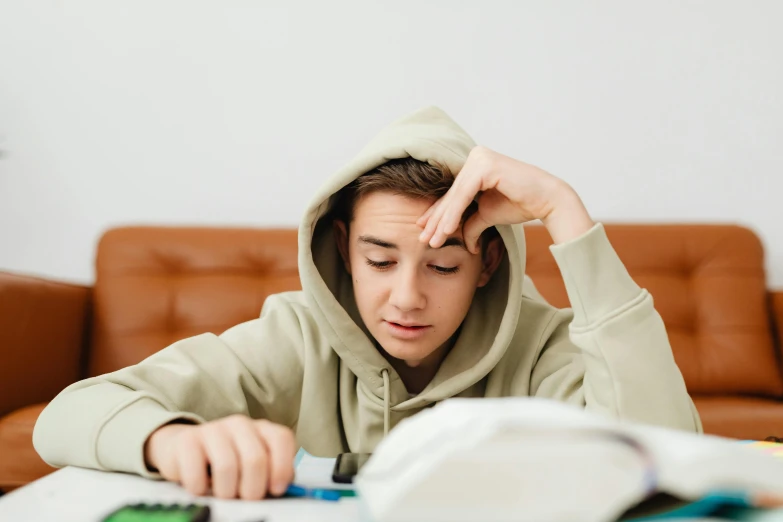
160, 513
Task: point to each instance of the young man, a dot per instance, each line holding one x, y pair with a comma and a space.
413, 292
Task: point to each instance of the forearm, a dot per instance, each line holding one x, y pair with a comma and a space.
104, 422
628, 363
101, 425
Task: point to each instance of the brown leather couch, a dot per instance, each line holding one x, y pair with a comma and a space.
157, 285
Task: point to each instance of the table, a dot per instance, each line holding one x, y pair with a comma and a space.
82, 495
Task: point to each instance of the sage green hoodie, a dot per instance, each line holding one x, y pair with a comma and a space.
308, 362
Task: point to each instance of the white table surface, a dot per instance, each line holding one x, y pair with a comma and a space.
82, 495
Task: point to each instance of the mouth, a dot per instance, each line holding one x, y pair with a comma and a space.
407, 331
408, 325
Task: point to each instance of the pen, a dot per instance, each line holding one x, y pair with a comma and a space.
321, 494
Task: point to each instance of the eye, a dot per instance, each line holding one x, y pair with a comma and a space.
379, 265
445, 270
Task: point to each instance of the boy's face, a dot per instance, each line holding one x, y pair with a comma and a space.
411, 297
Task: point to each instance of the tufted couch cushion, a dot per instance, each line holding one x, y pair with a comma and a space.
708, 284
157, 285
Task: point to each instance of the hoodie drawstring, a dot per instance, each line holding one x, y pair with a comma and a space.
386, 401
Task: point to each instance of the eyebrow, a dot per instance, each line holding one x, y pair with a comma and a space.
450, 242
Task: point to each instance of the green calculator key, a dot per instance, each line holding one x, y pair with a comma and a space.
160, 513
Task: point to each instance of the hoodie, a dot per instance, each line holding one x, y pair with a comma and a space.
309, 363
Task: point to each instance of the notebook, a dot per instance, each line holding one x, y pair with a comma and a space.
535, 459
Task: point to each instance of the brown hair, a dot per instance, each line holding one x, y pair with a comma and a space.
405, 177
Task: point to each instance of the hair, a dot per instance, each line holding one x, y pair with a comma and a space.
407, 177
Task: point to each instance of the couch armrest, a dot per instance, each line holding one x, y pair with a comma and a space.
776, 310
43, 335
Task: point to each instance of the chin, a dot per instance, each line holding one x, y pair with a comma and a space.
413, 352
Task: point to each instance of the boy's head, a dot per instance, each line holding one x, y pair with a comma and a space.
411, 297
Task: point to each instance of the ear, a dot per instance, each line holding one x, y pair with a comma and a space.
341, 237
491, 258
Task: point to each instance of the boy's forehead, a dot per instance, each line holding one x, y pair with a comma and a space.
387, 207
384, 207
391, 219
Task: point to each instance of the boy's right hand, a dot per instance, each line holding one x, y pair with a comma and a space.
247, 458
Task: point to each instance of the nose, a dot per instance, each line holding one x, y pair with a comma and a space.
406, 292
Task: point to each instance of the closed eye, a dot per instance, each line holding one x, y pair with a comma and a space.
445, 270
380, 265
383, 265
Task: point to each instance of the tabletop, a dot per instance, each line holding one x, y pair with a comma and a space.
82, 495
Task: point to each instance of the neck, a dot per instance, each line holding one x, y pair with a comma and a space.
416, 377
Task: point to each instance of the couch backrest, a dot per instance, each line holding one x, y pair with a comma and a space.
708, 284
157, 285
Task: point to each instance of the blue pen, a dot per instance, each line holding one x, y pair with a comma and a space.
320, 494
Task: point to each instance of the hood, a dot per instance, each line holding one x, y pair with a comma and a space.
429, 135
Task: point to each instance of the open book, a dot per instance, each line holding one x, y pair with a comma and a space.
540, 460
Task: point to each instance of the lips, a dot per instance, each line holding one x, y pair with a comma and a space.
407, 325
407, 331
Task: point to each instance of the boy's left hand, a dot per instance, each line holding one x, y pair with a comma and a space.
511, 192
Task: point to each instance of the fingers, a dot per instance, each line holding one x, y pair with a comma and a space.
253, 458
452, 216
433, 216
472, 230
191, 463
223, 460
246, 458
282, 449
445, 216
422, 221
158, 450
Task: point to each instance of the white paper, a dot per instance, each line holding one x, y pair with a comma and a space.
316, 472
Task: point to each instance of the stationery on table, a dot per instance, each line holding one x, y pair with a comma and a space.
533, 459
525, 459
313, 479
487, 459
76, 495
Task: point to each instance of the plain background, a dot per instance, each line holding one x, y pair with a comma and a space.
231, 113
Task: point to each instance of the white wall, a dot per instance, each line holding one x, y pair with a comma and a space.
218, 112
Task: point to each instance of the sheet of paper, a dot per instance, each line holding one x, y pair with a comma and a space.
316, 472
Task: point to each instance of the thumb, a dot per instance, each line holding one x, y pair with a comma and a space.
472, 230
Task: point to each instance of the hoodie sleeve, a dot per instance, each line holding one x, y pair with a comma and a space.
610, 352
103, 422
